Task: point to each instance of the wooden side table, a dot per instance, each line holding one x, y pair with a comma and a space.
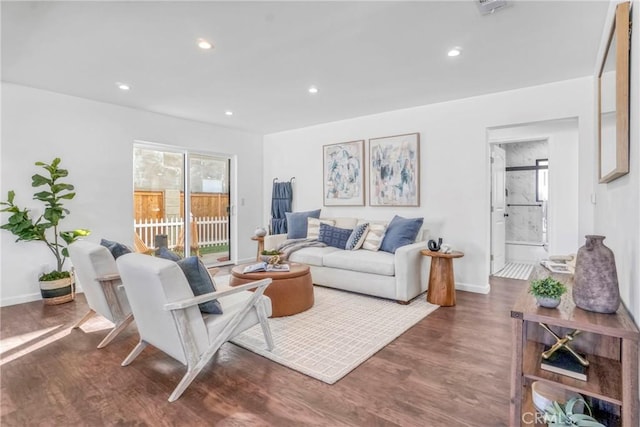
260, 240
442, 289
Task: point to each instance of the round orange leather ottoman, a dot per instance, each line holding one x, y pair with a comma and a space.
291, 292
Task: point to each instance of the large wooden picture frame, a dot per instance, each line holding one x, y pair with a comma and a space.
613, 101
343, 173
394, 170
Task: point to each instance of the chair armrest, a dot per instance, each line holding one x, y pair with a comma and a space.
188, 302
272, 241
109, 277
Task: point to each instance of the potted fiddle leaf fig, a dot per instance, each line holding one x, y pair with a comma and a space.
57, 286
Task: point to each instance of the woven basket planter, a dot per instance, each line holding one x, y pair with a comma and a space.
60, 291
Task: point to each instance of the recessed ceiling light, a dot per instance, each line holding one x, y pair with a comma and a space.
123, 86
313, 89
204, 44
229, 113
454, 52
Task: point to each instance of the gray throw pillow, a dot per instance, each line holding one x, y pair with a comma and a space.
166, 253
200, 282
297, 223
400, 232
116, 249
334, 236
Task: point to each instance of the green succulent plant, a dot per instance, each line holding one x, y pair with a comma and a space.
557, 415
547, 288
45, 227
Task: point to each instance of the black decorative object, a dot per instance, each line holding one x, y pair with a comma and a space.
433, 246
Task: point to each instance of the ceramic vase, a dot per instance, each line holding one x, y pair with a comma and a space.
595, 285
260, 232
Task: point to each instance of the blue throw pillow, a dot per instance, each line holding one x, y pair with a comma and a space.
116, 249
356, 239
200, 282
334, 236
297, 223
400, 232
166, 253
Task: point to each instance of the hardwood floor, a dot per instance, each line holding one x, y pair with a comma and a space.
451, 369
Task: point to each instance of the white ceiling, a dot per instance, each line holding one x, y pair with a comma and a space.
365, 57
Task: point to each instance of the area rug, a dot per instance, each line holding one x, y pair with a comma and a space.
337, 334
515, 270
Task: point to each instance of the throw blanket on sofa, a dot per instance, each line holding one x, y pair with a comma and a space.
290, 246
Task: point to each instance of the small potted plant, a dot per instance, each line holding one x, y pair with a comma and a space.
57, 286
547, 291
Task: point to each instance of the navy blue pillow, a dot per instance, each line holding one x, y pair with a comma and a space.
400, 232
200, 282
297, 223
334, 236
166, 253
116, 249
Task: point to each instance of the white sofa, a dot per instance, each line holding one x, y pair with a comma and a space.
400, 276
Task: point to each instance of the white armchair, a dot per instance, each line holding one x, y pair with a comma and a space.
98, 274
168, 316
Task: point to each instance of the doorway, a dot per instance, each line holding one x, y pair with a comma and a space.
182, 202
519, 204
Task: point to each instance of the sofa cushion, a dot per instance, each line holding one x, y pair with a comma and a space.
297, 223
382, 263
334, 236
374, 236
200, 282
357, 237
311, 256
400, 232
313, 226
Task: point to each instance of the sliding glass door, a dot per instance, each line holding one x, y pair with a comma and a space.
181, 201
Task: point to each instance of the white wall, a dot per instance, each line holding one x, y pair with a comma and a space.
563, 203
454, 153
95, 142
617, 213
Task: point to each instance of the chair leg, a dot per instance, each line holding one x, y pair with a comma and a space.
264, 323
115, 331
86, 317
134, 353
184, 383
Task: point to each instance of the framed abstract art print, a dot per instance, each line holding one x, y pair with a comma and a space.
343, 173
394, 170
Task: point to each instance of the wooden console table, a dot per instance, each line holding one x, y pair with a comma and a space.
610, 342
442, 286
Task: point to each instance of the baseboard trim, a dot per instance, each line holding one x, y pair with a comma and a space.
20, 299
468, 287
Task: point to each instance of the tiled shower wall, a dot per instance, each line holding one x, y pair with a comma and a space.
524, 223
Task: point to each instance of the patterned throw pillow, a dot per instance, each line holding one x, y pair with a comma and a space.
357, 237
334, 236
313, 226
374, 237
